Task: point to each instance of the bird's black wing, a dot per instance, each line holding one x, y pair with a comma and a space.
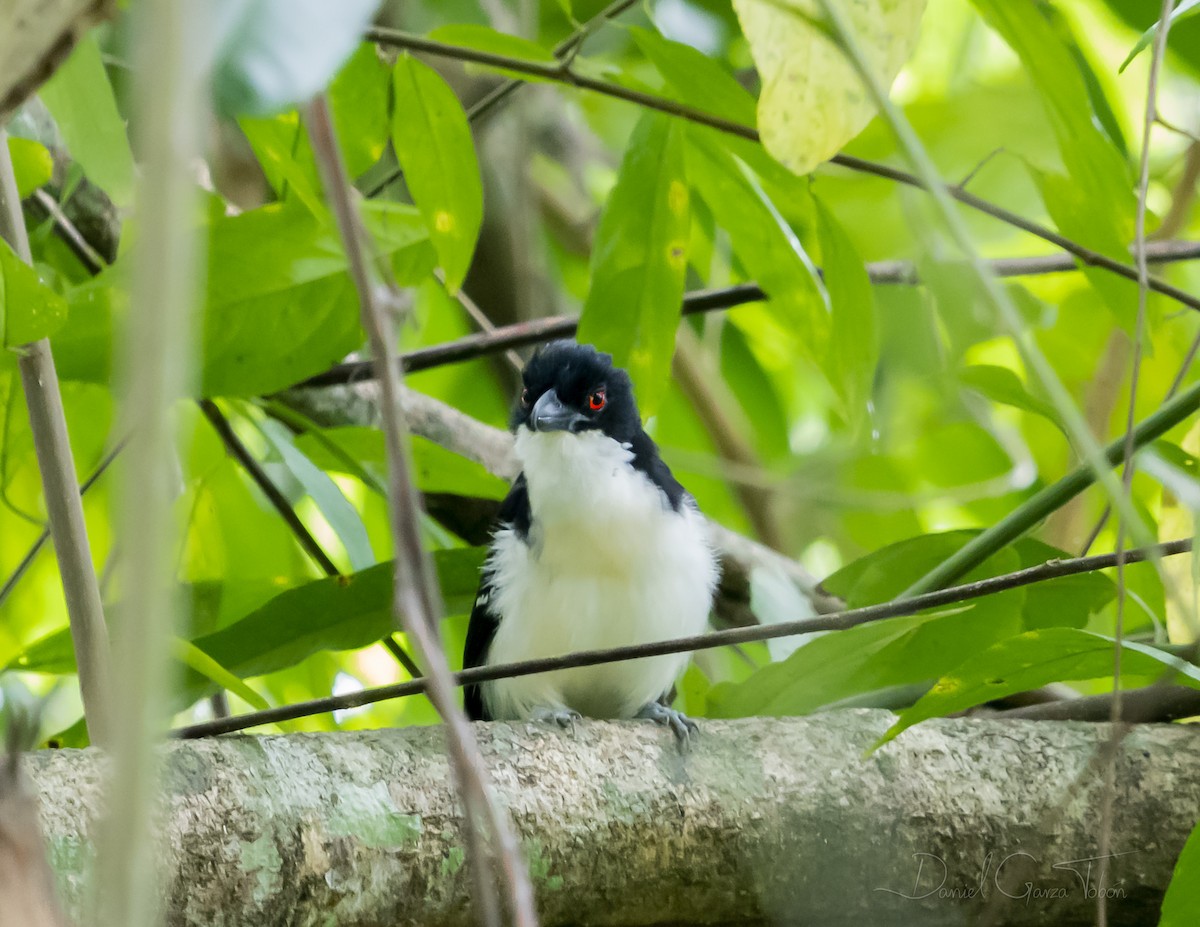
481, 630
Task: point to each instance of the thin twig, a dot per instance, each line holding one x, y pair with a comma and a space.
233, 444
88, 256
416, 597
40, 542
56, 463
479, 317
522, 334
835, 621
564, 74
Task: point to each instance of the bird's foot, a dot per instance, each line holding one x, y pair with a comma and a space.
682, 726
565, 718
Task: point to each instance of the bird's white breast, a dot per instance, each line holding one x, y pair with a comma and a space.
607, 563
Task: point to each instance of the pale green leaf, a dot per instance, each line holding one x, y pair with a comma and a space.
80, 98
1179, 482
361, 453
343, 517
1002, 385
765, 245
434, 146
812, 100
1094, 203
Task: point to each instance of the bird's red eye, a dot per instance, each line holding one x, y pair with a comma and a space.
525, 397
597, 400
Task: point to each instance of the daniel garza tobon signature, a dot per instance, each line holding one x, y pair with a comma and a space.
1009, 876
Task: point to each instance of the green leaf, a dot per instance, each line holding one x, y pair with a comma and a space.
358, 100
899, 651
701, 81
32, 164
80, 98
854, 341
276, 53
885, 573
343, 517
1181, 905
435, 468
281, 145
196, 659
1002, 385
812, 100
29, 310
764, 243
828, 668
1185, 10
1033, 659
639, 260
1094, 203
434, 146
279, 305
337, 613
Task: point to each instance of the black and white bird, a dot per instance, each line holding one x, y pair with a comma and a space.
597, 546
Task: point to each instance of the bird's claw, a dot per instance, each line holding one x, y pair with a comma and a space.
681, 725
565, 718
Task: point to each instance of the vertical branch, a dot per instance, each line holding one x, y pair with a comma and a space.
63, 504
416, 596
1143, 272
155, 370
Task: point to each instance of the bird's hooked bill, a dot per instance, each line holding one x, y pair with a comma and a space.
549, 414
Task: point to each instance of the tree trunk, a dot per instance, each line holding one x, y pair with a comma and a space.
764, 820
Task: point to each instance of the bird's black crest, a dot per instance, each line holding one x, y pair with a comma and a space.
574, 371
